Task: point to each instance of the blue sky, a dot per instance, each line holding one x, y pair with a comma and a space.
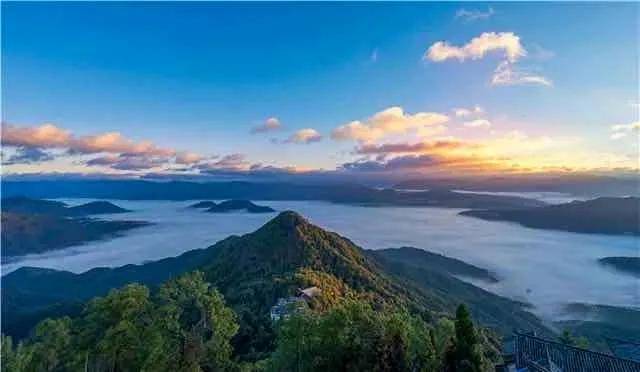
197, 77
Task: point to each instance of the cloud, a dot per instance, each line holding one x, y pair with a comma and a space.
478, 123
474, 15
622, 130
305, 136
187, 158
46, 136
49, 136
505, 42
127, 162
27, 155
270, 125
419, 147
465, 112
392, 120
507, 73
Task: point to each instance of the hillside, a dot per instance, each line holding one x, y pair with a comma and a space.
24, 233
96, 207
56, 208
254, 270
626, 265
598, 216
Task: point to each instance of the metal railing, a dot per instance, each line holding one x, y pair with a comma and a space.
538, 354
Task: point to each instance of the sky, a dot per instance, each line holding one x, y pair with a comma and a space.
329, 88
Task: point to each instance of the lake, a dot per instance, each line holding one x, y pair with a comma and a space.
544, 268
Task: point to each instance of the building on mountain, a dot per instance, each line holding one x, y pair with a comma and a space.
285, 307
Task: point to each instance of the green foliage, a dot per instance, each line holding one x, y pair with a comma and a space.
465, 353
354, 337
186, 326
568, 339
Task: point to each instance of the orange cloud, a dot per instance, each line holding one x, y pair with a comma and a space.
392, 120
50, 136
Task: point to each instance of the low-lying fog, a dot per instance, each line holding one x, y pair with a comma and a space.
545, 268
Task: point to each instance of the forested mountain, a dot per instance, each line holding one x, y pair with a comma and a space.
254, 270
599, 216
32, 226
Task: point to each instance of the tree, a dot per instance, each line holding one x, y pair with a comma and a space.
49, 349
568, 339
353, 337
196, 327
465, 353
116, 332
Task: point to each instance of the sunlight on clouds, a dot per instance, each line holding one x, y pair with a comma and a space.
305, 136
505, 42
392, 120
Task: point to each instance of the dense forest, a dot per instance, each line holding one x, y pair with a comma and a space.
185, 325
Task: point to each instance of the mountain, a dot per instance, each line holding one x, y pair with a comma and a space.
254, 270
233, 205
96, 207
435, 262
627, 265
56, 208
441, 290
203, 204
239, 205
608, 215
346, 193
28, 233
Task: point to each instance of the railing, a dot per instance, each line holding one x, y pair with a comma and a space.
538, 354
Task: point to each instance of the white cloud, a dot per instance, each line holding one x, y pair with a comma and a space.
478, 47
507, 73
467, 112
508, 43
392, 120
474, 15
305, 136
270, 125
478, 123
622, 130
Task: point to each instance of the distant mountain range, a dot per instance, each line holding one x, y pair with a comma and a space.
35, 226
232, 206
339, 193
254, 270
602, 216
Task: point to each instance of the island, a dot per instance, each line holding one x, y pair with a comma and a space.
97, 207
203, 204
233, 205
24, 233
31, 226
38, 206
627, 265
607, 215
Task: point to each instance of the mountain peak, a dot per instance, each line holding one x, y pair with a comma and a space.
288, 220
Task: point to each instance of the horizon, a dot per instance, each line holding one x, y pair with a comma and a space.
434, 90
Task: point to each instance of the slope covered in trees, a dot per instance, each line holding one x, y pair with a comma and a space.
254, 270
185, 325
